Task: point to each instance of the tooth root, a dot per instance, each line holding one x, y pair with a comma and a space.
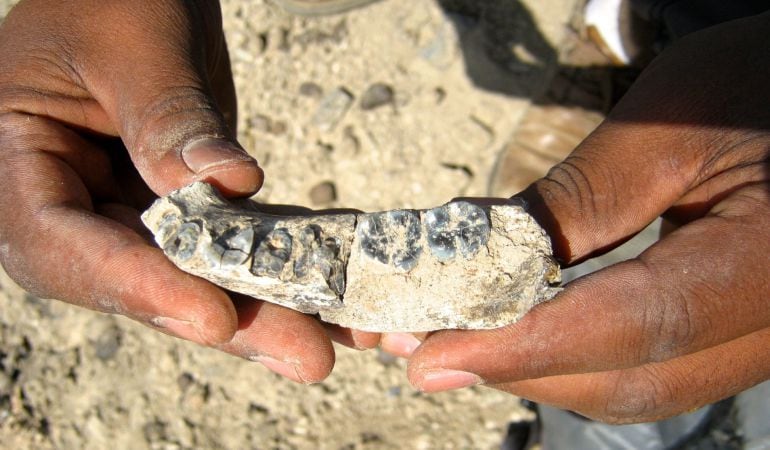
456, 266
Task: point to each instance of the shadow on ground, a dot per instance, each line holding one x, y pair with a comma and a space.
505, 52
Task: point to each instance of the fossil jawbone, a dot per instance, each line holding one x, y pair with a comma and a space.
456, 266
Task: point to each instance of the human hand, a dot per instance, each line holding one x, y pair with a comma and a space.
687, 322
105, 104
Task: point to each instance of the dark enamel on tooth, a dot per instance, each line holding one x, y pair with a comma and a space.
323, 255
272, 254
391, 237
458, 225
183, 243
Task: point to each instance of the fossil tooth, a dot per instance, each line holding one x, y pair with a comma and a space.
183, 243
391, 237
441, 239
456, 266
273, 253
456, 225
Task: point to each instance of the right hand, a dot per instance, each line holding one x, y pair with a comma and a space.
104, 105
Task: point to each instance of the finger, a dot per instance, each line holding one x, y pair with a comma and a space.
222, 85
301, 352
156, 93
21, 132
401, 345
126, 216
670, 135
170, 120
656, 391
687, 293
56, 247
356, 339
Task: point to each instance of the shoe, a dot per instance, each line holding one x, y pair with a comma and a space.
525, 434
320, 7
620, 33
585, 86
546, 135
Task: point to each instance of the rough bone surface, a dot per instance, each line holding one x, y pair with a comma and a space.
459, 266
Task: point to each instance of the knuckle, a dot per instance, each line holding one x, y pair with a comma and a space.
167, 122
635, 397
584, 184
569, 177
15, 126
671, 326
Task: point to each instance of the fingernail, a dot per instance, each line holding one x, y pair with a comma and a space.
282, 368
400, 344
203, 154
446, 380
185, 329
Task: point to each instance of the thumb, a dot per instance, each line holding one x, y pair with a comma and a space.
683, 137
157, 91
611, 187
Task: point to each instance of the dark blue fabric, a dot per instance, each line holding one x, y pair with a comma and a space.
682, 17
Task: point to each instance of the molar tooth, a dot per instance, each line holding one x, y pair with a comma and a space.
167, 229
457, 225
391, 237
234, 258
472, 229
185, 242
243, 240
441, 240
272, 254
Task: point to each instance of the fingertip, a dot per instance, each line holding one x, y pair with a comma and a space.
430, 377
223, 164
287, 369
365, 340
402, 345
355, 339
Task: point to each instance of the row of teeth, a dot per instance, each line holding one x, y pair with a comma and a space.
392, 238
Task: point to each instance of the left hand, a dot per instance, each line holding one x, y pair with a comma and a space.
687, 322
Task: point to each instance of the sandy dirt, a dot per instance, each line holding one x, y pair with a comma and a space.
72, 379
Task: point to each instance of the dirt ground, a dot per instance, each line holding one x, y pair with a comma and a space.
460, 83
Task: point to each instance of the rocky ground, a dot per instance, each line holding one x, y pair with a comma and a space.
400, 104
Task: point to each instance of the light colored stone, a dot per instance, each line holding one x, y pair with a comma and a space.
332, 109
456, 266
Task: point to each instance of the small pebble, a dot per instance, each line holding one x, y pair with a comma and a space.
378, 94
323, 193
310, 89
108, 343
265, 124
332, 109
260, 123
278, 127
394, 391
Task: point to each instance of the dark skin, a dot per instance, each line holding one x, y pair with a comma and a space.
683, 325
105, 105
686, 323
